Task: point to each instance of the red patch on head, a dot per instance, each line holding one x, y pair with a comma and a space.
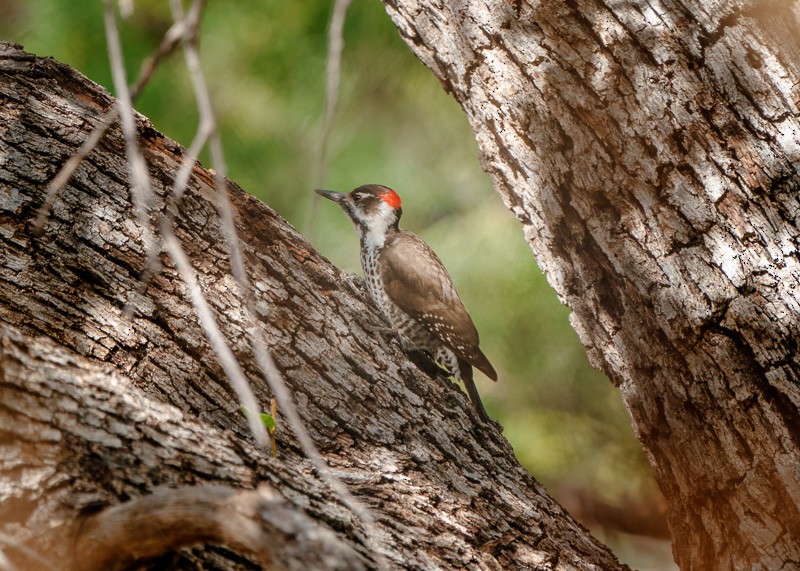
390, 197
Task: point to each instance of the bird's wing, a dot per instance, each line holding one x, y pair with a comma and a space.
425, 291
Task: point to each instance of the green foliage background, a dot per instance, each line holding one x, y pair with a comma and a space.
265, 63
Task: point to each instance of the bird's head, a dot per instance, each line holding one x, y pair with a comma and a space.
373, 208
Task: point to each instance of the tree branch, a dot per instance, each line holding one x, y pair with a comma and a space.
256, 522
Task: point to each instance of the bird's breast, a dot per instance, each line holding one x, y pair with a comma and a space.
372, 275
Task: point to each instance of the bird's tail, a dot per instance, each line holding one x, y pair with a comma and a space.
466, 376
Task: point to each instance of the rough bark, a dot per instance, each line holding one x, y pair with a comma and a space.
257, 522
650, 151
97, 408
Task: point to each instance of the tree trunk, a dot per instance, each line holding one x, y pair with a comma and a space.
651, 152
98, 409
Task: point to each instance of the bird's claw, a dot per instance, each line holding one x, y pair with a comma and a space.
427, 364
385, 332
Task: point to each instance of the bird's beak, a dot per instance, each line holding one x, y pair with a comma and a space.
331, 194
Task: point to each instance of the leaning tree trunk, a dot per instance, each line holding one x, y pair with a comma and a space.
98, 409
651, 152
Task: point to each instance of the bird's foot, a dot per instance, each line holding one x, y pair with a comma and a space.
385, 332
487, 420
426, 363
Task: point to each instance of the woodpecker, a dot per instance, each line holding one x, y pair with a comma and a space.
411, 286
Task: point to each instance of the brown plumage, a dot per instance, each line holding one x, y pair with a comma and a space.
411, 286
426, 293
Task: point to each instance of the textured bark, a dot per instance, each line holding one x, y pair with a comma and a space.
257, 522
650, 151
96, 408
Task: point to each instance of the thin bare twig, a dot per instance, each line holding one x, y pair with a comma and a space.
259, 346
227, 359
332, 78
169, 42
137, 167
140, 182
205, 128
207, 133
5, 563
179, 30
68, 169
126, 8
208, 129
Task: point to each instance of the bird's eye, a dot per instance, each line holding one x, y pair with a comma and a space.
360, 196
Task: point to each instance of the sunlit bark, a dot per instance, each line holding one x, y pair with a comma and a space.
650, 151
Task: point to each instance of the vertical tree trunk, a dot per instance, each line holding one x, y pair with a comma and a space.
650, 151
